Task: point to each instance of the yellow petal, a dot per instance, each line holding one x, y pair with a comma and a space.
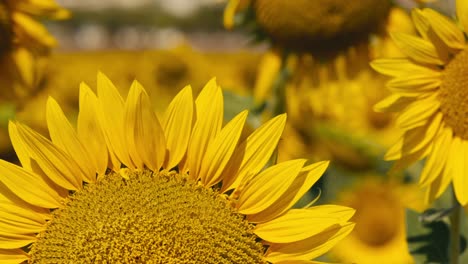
18, 220
435, 163
393, 103
27, 186
20, 149
413, 84
400, 67
147, 144
462, 13
407, 160
15, 241
263, 190
90, 132
299, 224
12, 256
460, 170
29, 29
64, 136
209, 110
418, 113
448, 32
252, 155
420, 22
177, 125
112, 118
309, 248
25, 64
229, 13
55, 163
416, 48
418, 138
220, 150
308, 176
269, 68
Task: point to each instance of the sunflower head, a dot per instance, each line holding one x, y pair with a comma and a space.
320, 25
429, 94
130, 185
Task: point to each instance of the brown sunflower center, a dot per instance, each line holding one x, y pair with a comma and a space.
6, 31
147, 218
453, 94
320, 24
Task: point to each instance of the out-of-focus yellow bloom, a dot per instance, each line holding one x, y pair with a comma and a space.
161, 71
24, 41
380, 233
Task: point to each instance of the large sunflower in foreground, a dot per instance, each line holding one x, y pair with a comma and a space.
129, 187
430, 94
23, 42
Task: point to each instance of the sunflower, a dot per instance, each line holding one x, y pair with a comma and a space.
380, 233
24, 41
128, 186
429, 94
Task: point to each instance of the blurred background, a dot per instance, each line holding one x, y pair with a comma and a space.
269, 57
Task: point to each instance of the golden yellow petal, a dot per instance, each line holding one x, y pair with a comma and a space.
252, 154
409, 159
416, 139
269, 68
418, 113
413, 84
177, 125
220, 150
265, 189
29, 29
229, 13
308, 176
55, 163
435, 162
393, 103
420, 22
147, 144
19, 220
417, 49
309, 248
209, 111
20, 149
462, 13
299, 262
401, 67
15, 241
112, 117
299, 224
448, 32
64, 136
89, 130
27, 186
460, 170
12, 256
25, 64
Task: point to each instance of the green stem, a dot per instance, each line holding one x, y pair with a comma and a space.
455, 232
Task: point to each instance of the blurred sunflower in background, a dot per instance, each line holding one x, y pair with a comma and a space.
129, 186
429, 95
322, 61
24, 44
380, 233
